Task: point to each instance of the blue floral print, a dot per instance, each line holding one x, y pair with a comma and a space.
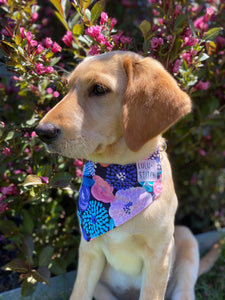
84, 197
89, 168
95, 220
120, 176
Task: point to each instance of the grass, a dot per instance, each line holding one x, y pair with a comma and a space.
212, 285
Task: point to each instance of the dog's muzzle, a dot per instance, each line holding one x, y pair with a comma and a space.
47, 132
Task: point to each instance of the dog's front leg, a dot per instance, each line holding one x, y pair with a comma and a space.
90, 266
156, 273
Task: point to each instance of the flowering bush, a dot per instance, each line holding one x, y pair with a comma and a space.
187, 39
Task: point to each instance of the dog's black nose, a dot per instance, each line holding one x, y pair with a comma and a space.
47, 132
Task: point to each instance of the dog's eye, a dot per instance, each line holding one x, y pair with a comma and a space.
100, 90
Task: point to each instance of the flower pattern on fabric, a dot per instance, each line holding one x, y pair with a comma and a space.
89, 168
129, 203
102, 191
84, 197
120, 176
110, 195
95, 219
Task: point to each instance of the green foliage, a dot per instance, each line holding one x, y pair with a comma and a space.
38, 190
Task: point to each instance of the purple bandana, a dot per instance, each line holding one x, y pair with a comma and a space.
110, 195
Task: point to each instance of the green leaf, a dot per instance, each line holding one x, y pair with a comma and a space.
62, 20
28, 247
78, 29
45, 257
10, 135
145, 28
58, 6
212, 34
28, 223
31, 180
96, 11
84, 4
17, 265
58, 267
179, 23
87, 13
42, 274
54, 61
28, 286
203, 57
66, 5
8, 227
61, 180
17, 40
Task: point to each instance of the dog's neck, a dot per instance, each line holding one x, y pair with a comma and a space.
111, 194
119, 153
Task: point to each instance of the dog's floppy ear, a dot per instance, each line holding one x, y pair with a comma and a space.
152, 102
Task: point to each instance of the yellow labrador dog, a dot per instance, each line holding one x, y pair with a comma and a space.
117, 107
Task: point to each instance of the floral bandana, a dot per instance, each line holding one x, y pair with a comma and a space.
110, 195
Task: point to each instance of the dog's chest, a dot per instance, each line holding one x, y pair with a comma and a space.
123, 253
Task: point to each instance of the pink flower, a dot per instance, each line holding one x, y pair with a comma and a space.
104, 18
33, 43
177, 9
170, 38
68, 38
26, 134
22, 32
189, 41
209, 13
34, 17
49, 90
49, 70
94, 31
37, 148
9, 190
3, 206
5, 2
201, 85
40, 69
56, 48
29, 36
33, 134
78, 162
113, 22
94, 50
116, 39
202, 152
48, 42
220, 42
187, 57
201, 24
6, 151
55, 94
45, 179
102, 190
79, 173
40, 48
177, 65
154, 42
125, 40
2, 123
29, 170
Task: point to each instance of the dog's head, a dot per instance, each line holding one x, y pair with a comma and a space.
117, 102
